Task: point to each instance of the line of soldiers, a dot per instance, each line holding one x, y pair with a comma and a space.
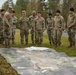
36, 24
8, 22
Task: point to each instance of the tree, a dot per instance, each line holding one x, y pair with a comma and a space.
31, 6
35, 5
8, 3
40, 5
53, 5
66, 6
22, 3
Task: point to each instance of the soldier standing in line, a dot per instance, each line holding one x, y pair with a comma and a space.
2, 26
50, 27
32, 24
24, 27
14, 20
39, 28
58, 28
71, 25
8, 27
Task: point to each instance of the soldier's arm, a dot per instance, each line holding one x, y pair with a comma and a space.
46, 23
30, 19
6, 20
35, 25
16, 20
19, 23
30, 22
1, 23
53, 23
43, 24
63, 23
29, 26
67, 26
74, 23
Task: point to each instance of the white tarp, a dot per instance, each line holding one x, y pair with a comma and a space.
39, 61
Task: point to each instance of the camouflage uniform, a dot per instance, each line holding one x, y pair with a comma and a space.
50, 27
39, 28
24, 29
8, 29
14, 21
58, 28
32, 24
71, 23
1, 30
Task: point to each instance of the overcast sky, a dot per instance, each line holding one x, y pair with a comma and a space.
2, 1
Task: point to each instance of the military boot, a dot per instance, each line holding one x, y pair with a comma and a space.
26, 42
7, 43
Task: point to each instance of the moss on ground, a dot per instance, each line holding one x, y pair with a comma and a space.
5, 68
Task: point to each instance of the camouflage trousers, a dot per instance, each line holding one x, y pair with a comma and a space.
8, 36
33, 36
24, 35
71, 33
39, 37
1, 37
13, 36
57, 36
50, 35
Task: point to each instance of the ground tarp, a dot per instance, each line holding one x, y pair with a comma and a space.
39, 61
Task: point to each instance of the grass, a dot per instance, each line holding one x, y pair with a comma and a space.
63, 48
6, 69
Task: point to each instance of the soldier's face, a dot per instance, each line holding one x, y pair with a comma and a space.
13, 14
10, 10
39, 14
24, 13
3, 12
57, 14
34, 14
70, 12
50, 16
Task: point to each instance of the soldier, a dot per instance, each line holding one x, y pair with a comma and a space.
8, 26
24, 27
50, 27
39, 28
32, 22
2, 26
58, 28
71, 25
14, 20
